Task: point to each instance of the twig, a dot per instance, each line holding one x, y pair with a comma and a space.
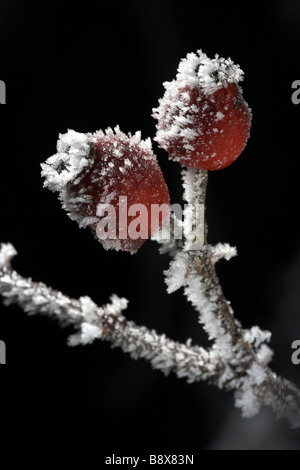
227, 365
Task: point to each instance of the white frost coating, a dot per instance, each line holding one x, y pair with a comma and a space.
196, 71
248, 397
90, 311
74, 155
205, 304
91, 322
255, 336
261, 387
130, 140
219, 116
36, 297
194, 183
176, 275
88, 334
264, 355
6, 254
116, 305
73, 149
258, 338
89, 167
223, 250
86, 221
247, 400
227, 367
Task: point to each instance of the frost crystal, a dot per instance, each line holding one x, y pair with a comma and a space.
226, 364
176, 274
96, 173
194, 184
196, 71
210, 74
73, 155
200, 109
6, 254
223, 250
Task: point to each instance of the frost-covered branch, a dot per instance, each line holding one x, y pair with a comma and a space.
237, 363
107, 323
244, 351
195, 269
203, 123
194, 185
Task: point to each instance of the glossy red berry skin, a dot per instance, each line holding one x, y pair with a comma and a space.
97, 171
221, 122
122, 169
203, 121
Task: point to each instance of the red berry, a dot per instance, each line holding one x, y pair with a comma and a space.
203, 120
92, 171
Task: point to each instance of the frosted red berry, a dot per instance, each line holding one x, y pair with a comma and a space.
93, 171
203, 120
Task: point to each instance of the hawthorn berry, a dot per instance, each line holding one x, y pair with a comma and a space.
109, 182
203, 120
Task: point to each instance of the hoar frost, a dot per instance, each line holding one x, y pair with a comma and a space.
95, 173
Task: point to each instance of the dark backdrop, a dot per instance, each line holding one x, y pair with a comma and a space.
85, 68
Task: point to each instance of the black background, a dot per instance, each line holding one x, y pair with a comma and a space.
85, 68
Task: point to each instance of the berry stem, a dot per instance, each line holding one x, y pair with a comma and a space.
194, 185
202, 265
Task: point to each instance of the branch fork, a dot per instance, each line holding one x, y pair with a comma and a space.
237, 359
